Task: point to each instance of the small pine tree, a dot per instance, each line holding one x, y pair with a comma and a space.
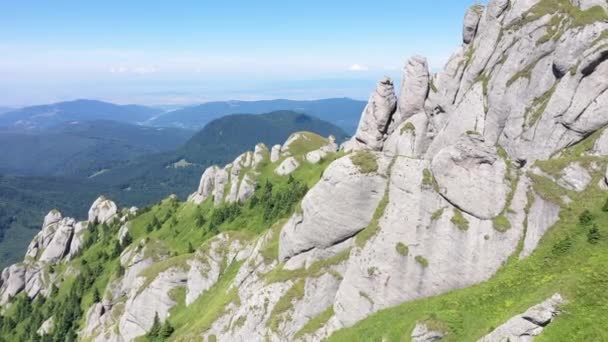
593, 235
155, 329
586, 218
165, 331
190, 248
96, 297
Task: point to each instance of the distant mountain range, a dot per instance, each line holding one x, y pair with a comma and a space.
81, 149
47, 116
68, 165
342, 112
218, 143
5, 109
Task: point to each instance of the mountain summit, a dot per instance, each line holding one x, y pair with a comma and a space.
469, 206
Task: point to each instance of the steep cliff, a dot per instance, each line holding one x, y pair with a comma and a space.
469, 197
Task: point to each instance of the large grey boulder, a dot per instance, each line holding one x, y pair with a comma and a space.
414, 89
525, 326
574, 177
377, 115
288, 166
471, 21
102, 210
327, 209
472, 177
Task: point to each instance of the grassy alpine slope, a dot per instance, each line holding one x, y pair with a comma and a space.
169, 229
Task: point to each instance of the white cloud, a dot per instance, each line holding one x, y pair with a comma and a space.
140, 70
358, 67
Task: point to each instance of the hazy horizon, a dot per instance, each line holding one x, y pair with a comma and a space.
192, 52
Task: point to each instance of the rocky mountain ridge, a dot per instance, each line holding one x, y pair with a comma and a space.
448, 185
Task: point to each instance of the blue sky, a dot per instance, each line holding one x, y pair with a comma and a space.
193, 51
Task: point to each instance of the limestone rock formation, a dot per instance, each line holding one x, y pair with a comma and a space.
470, 175
275, 153
288, 166
471, 21
102, 210
327, 216
575, 177
529, 324
377, 116
414, 89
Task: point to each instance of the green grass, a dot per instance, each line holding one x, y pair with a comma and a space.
401, 248
196, 318
365, 161
408, 128
436, 215
285, 303
422, 261
459, 220
577, 272
315, 323
427, 178
317, 269
536, 110
374, 226
501, 223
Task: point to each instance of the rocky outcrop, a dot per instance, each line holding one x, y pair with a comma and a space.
327, 216
154, 299
422, 333
259, 154
541, 216
414, 90
471, 176
529, 324
471, 21
377, 116
574, 177
59, 246
288, 166
315, 157
102, 210
275, 153
46, 327
13, 282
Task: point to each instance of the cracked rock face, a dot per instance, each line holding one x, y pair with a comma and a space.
471, 175
471, 21
327, 215
414, 89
